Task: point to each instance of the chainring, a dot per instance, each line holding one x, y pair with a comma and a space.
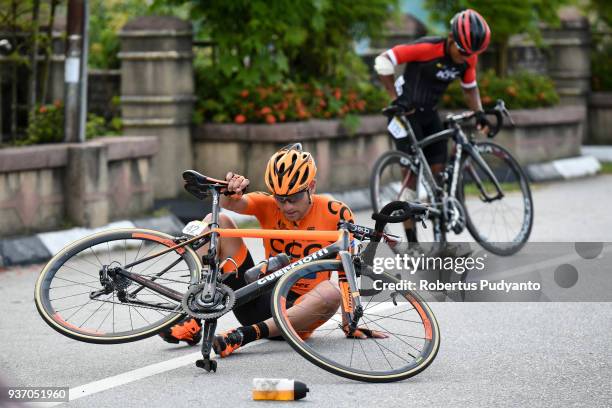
228, 298
455, 215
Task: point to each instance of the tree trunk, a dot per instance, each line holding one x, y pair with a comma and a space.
48, 51
34, 57
501, 67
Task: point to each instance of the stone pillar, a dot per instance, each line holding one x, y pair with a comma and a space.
569, 63
157, 93
87, 185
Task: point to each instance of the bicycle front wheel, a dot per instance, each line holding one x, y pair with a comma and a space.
413, 334
71, 297
396, 176
501, 224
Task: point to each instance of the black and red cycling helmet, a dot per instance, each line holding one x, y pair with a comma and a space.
470, 32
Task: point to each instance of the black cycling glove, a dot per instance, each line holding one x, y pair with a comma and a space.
402, 104
481, 120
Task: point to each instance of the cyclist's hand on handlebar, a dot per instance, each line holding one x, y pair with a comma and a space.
482, 123
236, 184
401, 104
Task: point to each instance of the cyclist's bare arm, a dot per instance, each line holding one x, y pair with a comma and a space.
388, 80
472, 98
236, 184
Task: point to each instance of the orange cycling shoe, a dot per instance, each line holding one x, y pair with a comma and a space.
228, 342
188, 330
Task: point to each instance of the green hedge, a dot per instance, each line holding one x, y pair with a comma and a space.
46, 125
522, 90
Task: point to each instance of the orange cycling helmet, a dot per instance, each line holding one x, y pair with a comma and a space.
290, 170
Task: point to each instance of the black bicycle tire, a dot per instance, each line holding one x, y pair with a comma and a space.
375, 182
375, 175
470, 225
42, 299
297, 344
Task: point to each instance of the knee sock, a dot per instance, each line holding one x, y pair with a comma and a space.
254, 332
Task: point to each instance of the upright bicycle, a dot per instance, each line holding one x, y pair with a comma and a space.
124, 285
482, 188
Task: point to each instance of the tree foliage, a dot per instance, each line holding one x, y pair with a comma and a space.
260, 42
602, 10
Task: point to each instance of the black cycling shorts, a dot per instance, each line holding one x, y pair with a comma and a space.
424, 123
258, 309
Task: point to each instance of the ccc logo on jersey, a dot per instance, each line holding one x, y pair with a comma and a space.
294, 249
338, 208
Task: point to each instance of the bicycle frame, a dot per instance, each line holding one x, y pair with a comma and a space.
339, 248
461, 142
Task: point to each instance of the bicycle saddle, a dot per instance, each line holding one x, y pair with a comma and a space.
200, 185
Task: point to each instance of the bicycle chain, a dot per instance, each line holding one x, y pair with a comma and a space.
142, 306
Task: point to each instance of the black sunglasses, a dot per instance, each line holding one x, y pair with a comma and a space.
462, 51
291, 199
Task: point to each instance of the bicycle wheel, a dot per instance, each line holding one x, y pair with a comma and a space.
126, 311
396, 177
502, 225
414, 336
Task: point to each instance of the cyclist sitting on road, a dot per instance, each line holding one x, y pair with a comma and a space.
290, 177
431, 64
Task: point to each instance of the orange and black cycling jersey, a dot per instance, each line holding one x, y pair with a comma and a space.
324, 215
429, 71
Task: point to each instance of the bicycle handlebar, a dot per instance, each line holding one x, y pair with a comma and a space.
408, 210
499, 111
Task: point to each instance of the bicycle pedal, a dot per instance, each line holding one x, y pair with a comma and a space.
208, 365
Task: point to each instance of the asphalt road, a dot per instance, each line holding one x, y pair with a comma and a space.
492, 354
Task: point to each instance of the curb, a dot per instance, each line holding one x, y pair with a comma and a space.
601, 153
41, 247
564, 169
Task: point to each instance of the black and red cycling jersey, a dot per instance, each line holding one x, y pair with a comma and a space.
429, 71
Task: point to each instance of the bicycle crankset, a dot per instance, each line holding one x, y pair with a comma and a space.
225, 298
454, 214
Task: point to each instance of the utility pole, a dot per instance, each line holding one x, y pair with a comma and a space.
73, 72
84, 60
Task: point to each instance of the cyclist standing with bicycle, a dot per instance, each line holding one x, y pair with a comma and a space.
432, 63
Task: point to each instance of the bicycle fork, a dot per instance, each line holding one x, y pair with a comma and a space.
350, 297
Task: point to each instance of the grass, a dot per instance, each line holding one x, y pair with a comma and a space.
606, 167
472, 189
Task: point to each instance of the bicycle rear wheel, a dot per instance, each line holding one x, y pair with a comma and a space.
502, 225
126, 311
396, 177
414, 336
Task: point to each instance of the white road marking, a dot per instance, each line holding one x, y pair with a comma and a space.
131, 376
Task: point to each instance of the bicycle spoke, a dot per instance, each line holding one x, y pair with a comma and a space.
380, 348
78, 270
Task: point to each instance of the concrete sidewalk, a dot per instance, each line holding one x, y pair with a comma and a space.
38, 248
